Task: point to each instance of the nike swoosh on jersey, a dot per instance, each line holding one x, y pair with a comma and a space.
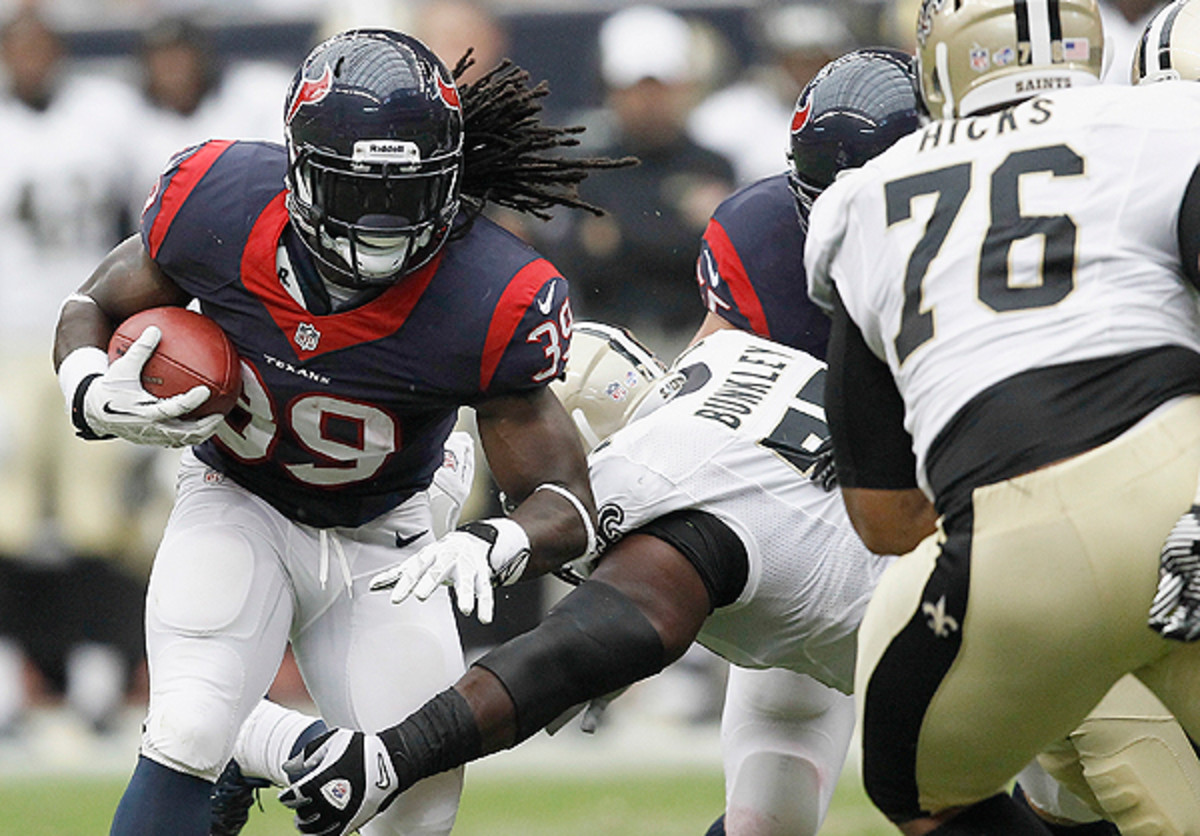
544, 303
402, 541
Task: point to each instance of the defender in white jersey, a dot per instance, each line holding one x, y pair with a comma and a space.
712, 531
1014, 312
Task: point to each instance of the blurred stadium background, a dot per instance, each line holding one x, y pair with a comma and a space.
654, 767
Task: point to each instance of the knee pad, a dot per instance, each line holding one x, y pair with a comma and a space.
1143, 773
595, 641
194, 712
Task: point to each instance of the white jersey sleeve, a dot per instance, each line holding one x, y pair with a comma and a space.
979, 248
737, 443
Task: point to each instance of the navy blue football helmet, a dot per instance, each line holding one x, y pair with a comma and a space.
854, 108
374, 134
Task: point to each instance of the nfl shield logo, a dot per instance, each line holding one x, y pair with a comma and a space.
979, 58
307, 336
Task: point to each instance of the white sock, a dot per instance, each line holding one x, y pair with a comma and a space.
266, 739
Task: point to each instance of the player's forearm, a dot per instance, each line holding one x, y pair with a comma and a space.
537, 460
81, 324
126, 281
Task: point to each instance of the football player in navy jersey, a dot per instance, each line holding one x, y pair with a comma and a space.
368, 301
750, 269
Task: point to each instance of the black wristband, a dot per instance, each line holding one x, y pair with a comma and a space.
81, 425
440, 735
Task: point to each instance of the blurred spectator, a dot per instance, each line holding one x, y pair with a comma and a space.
189, 97
340, 15
748, 120
66, 605
1123, 22
635, 264
451, 27
899, 24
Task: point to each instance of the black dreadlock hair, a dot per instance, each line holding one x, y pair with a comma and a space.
505, 144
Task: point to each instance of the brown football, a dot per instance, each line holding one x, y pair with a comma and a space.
193, 351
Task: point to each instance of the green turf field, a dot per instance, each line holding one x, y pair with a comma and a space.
675, 803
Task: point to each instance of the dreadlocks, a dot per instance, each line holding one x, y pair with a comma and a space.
506, 144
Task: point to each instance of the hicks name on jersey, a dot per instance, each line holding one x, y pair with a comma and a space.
950, 131
744, 388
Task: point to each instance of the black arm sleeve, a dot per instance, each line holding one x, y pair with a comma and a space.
592, 642
1189, 230
871, 448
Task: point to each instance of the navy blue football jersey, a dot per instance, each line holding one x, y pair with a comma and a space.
751, 267
343, 416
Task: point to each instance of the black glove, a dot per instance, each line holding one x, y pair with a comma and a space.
1175, 611
340, 781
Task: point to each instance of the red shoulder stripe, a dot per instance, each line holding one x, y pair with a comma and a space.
510, 310
190, 172
733, 272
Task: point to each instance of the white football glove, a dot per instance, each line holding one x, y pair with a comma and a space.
115, 404
340, 781
452, 482
471, 559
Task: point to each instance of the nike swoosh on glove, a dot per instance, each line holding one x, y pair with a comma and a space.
340, 781
115, 404
1175, 612
471, 559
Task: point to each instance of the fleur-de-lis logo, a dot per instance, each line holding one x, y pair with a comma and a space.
307, 336
939, 622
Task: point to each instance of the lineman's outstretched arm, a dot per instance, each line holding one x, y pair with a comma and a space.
640, 611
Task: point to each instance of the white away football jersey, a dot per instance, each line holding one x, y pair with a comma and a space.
737, 442
978, 248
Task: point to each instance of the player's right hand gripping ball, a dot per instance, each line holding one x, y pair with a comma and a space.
1175, 611
340, 781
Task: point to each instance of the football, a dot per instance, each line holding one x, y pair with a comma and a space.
193, 351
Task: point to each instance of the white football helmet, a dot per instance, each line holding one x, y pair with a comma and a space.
977, 54
609, 379
1169, 48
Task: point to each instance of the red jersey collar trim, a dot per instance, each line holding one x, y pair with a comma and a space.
311, 335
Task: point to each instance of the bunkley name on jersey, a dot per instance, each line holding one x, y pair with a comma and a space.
744, 387
949, 131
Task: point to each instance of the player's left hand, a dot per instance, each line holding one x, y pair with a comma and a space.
340, 781
471, 559
116, 404
1175, 611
